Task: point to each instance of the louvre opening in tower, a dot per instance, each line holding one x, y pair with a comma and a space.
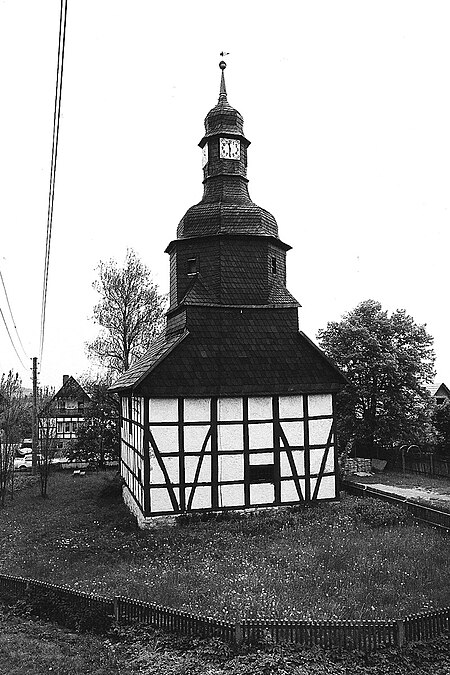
232, 407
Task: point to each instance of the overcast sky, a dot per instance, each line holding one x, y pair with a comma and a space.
347, 106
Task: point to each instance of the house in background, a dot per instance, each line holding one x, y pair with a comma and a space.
67, 411
232, 407
440, 392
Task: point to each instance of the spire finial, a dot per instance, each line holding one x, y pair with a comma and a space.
223, 89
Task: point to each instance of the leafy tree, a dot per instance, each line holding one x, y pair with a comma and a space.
387, 360
98, 437
441, 419
11, 413
130, 313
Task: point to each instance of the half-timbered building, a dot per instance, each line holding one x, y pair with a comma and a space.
232, 407
66, 413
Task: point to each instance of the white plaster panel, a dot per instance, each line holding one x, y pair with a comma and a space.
261, 458
172, 467
138, 438
289, 491
299, 461
194, 437
231, 495
156, 475
294, 432
230, 437
327, 489
320, 404
260, 408
260, 436
160, 500
319, 431
231, 467
315, 460
163, 410
166, 438
291, 406
202, 497
190, 467
197, 409
262, 493
230, 410
136, 409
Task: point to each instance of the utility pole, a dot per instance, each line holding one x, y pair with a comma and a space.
34, 430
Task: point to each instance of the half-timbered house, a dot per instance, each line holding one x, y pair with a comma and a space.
66, 412
232, 407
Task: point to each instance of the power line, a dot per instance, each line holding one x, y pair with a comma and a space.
12, 317
51, 195
11, 340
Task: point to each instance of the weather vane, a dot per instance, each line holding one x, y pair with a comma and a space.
222, 66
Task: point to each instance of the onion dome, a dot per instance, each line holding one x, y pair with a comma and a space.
223, 118
226, 207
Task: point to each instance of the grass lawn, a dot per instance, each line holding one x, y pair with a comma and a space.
33, 647
330, 560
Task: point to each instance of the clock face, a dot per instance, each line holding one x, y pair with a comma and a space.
230, 148
204, 155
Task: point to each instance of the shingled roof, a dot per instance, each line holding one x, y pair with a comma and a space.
208, 218
72, 389
240, 360
223, 118
143, 366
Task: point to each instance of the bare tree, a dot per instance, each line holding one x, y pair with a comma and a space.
129, 313
47, 437
11, 414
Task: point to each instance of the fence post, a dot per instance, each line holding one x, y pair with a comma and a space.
239, 633
400, 632
116, 608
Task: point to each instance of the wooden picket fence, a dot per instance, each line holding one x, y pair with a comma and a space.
365, 636
425, 465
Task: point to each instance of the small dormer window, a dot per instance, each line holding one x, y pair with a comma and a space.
192, 266
274, 265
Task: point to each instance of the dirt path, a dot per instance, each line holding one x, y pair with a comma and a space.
414, 493
422, 489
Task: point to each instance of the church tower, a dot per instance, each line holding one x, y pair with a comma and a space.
232, 407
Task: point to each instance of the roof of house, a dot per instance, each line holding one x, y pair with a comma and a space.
143, 366
438, 389
72, 389
240, 362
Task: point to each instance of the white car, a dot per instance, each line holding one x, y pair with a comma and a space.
25, 462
